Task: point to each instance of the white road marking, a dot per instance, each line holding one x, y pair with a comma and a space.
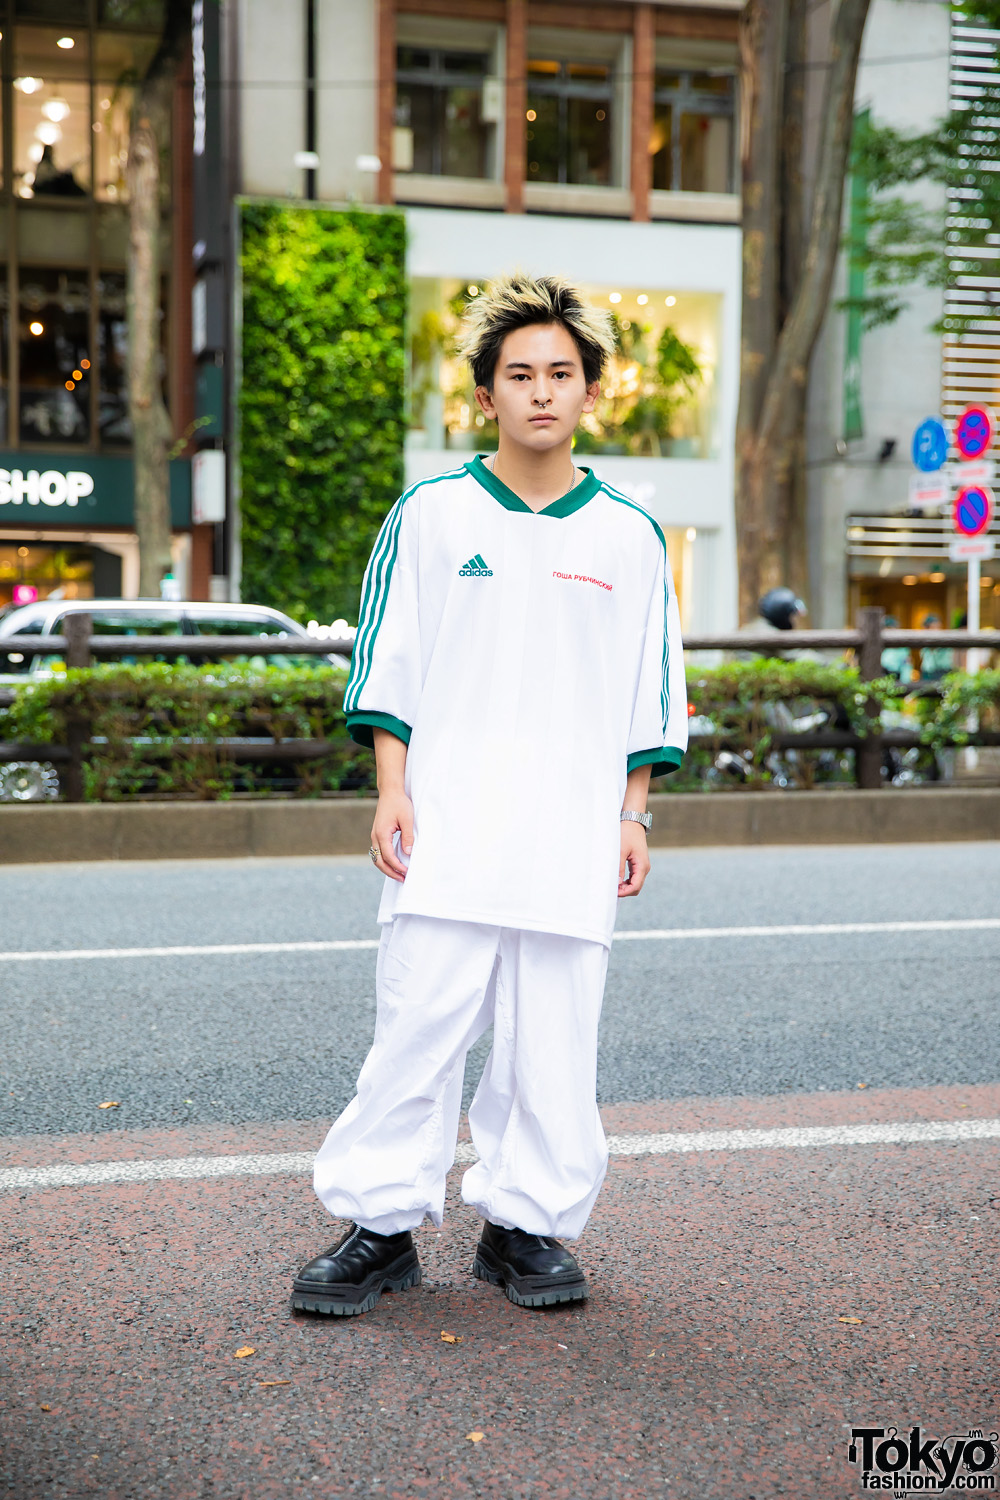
337, 945
295, 1163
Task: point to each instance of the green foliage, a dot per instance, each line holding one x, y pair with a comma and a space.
905, 242
964, 699
321, 403
169, 730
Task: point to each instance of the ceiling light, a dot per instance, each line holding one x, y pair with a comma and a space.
670, 301
615, 297
28, 85
691, 533
910, 579
531, 115
66, 42
642, 299
55, 109
36, 328
35, 151
105, 103
48, 133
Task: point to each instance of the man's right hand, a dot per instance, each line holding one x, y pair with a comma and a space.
394, 812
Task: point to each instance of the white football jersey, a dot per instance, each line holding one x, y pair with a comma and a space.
529, 661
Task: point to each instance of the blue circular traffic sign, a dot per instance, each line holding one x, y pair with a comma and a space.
972, 509
974, 431
930, 445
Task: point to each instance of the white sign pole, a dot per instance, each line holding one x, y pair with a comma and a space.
972, 611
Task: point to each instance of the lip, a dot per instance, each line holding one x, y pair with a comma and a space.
540, 419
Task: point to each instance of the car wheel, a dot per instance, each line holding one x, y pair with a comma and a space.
28, 781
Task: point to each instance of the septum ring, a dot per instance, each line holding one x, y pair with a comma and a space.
376, 854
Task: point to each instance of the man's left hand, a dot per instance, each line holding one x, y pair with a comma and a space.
633, 866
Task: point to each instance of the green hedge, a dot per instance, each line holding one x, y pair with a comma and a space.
321, 400
164, 729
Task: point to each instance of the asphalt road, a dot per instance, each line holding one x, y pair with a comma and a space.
192, 1040
747, 1305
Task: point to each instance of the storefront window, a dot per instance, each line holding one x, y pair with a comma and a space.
569, 118
55, 356
131, 13
692, 141
52, 133
121, 61
112, 351
658, 396
440, 128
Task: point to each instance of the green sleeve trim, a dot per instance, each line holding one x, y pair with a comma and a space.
360, 726
663, 761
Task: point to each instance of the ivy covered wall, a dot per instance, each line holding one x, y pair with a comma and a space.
321, 400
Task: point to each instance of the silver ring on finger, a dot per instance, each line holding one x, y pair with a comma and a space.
376, 854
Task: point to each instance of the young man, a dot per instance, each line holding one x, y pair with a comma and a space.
518, 669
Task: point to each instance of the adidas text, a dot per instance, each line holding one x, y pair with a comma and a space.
475, 568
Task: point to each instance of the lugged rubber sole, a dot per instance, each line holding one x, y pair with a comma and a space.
550, 1296
314, 1301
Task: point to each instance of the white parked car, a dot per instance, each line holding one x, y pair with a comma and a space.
31, 781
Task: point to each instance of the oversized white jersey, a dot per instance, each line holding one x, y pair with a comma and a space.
529, 661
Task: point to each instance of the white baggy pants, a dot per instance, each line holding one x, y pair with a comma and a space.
534, 1119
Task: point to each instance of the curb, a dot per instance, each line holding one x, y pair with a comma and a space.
683, 820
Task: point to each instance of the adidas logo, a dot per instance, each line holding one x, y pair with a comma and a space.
475, 568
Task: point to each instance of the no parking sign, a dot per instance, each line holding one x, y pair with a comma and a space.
972, 510
974, 431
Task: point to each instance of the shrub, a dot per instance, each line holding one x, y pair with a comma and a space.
321, 400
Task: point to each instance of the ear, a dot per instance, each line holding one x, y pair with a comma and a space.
593, 391
485, 403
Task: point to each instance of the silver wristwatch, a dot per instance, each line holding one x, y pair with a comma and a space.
646, 819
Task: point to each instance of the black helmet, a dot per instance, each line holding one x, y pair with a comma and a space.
780, 606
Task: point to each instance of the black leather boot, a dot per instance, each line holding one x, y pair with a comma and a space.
533, 1269
350, 1277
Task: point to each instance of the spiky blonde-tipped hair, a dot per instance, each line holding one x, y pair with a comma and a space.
512, 302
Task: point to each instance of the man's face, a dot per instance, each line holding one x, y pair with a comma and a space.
539, 392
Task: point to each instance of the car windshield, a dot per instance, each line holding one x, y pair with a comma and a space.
260, 625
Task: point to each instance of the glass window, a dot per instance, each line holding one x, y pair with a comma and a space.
55, 356
121, 61
569, 118
52, 132
112, 350
131, 13
52, 10
117, 622
439, 123
251, 625
692, 141
13, 660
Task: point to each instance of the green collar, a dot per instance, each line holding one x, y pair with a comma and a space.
577, 496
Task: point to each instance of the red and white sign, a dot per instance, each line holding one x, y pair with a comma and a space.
972, 509
928, 491
968, 548
974, 431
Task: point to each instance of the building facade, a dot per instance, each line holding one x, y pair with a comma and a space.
870, 391
66, 521
593, 140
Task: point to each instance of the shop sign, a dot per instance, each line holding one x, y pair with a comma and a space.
44, 487
98, 490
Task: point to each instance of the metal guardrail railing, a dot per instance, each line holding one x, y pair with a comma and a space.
78, 648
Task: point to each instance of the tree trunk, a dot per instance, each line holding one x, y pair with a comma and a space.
151, 428
762, 37
770, 488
